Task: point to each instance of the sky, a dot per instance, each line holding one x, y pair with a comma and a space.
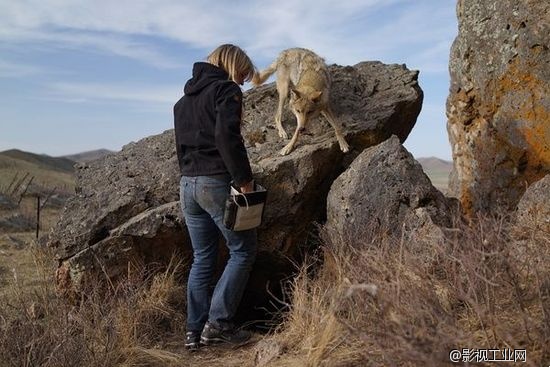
80, 75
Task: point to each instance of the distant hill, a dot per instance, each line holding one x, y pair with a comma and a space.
61, 164
438, 171
18, 167
89, 156
435, 164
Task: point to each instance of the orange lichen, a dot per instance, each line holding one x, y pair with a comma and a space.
532, 112
538, 138
532, 159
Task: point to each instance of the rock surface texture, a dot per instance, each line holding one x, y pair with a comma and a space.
499, 104
127, 210
534, 206
385, 189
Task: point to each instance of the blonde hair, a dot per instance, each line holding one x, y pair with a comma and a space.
234, 61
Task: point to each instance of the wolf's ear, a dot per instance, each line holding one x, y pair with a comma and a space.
315, 96
294, 94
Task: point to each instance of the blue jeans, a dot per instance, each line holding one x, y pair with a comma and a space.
202, 201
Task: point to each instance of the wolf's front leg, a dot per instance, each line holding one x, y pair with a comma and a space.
288, 148
280, 129
344, 147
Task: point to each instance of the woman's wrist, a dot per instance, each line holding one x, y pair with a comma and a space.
248, 187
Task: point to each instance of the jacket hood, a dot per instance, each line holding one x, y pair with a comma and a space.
204, 74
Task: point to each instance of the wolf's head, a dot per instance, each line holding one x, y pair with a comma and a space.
305, 106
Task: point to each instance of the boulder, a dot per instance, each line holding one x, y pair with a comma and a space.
385, 191
499, 103
126, 208
534, 207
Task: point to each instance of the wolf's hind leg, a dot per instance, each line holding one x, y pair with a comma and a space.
282, 89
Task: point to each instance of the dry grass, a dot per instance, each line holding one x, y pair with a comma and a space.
107, 327
378, 301
138, 322
374, 301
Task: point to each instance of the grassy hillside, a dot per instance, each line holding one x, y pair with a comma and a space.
57, 164
52, 178
48, 172
23, 177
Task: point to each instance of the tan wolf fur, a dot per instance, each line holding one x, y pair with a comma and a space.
304, 75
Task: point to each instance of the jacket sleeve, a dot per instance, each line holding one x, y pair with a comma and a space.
176, 128
229, 140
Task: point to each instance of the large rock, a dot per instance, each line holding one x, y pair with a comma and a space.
534, 207
127, 203
385, 191
499, 104
372, 101
125, 210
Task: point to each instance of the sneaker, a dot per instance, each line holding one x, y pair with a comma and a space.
192, 339
213, 335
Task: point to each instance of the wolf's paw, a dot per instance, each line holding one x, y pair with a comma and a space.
344, 147
287, 149
283, 134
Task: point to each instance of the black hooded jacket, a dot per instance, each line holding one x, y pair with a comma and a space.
207, 121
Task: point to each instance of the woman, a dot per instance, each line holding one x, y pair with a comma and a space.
211, 154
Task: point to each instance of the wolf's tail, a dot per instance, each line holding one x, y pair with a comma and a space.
261, 77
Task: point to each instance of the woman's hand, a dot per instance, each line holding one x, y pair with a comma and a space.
249, 187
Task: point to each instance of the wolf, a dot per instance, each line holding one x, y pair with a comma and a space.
304, 75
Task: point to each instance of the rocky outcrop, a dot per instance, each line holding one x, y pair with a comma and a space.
499, 104
126, 207
534, 207
386, 191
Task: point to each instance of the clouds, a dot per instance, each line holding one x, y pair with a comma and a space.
10, 69
342, 31
81, 61
102, 92
66, 32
